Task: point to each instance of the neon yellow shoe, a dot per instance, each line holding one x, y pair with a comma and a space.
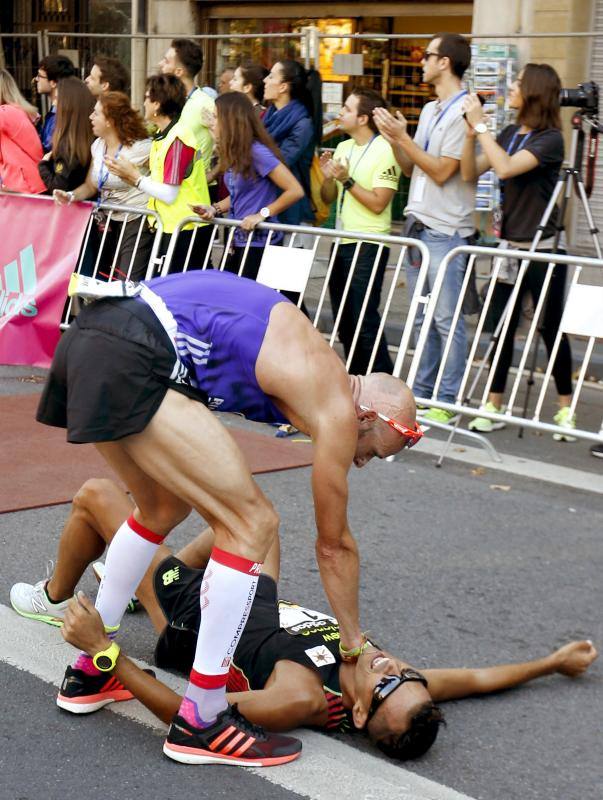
440, 415
564, 419
484, 425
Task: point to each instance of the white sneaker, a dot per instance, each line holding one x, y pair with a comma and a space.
31, 601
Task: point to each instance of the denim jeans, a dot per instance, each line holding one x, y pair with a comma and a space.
439, 244
353, 305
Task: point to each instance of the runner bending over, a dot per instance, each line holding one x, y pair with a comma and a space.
128, 375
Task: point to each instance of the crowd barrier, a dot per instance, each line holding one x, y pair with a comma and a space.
582, 319
99, 259
307, 271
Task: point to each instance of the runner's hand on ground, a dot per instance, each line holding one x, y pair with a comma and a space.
575, 658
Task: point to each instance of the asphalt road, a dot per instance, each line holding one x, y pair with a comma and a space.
454, 573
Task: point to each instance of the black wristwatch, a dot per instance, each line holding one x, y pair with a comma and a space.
348, 183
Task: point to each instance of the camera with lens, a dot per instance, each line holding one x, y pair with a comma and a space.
585, 96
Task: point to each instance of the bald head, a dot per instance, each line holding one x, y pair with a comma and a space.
389, 395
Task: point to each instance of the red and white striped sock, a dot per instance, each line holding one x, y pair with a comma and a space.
128, 558
227, 593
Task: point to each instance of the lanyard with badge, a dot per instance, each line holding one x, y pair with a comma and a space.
103, 177
497, 214
418, 188
350, 175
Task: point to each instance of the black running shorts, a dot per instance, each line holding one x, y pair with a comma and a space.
110, 373
178, 588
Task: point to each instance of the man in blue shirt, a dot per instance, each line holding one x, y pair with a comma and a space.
50, 72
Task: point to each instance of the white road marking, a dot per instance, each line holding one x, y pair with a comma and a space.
516, 465
325, 763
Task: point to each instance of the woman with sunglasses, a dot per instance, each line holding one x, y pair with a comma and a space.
527, 157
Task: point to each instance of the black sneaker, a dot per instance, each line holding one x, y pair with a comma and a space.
597, 450
230, 740
81, 693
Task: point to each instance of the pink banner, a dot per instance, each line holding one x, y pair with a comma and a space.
39, 247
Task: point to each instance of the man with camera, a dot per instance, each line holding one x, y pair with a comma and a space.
440, 206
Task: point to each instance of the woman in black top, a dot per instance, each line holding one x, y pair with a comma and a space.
65, 166
527, 158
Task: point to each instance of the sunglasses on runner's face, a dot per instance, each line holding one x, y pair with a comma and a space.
412, 434
389, 684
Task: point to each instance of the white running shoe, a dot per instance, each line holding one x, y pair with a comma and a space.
31, 601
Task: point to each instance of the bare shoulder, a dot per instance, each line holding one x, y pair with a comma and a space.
300, 371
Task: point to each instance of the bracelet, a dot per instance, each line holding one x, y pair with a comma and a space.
352, 654
219, 212
348, 183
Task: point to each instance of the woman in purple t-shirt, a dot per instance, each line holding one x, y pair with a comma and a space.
259, 185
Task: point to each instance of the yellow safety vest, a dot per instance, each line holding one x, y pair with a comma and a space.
193, 189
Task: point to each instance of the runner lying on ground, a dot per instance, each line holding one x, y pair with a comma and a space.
286, 671
131, 375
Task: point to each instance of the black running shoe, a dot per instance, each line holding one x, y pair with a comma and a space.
230, 740
81, 693
597, 450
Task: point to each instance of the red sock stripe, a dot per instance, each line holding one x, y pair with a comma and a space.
143, 532
236, 562
207, 681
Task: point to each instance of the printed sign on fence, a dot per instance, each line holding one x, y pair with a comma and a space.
39, 247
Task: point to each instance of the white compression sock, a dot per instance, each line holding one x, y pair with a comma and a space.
227, 594
128, 558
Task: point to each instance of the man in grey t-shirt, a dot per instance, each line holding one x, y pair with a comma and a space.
441, 204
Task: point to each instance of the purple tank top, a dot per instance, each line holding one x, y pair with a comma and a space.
221, 322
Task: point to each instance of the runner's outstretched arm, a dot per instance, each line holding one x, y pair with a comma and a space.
572, 660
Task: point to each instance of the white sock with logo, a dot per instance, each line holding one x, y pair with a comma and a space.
227, 593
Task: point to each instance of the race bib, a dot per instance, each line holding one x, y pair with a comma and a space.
300, 621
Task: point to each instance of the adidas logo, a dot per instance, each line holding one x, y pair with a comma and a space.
255, 569
18, 281
390, 174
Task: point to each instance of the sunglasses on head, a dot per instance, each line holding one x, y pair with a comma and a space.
389, 684
412, 434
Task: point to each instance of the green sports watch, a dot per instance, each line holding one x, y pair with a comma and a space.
105, 660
